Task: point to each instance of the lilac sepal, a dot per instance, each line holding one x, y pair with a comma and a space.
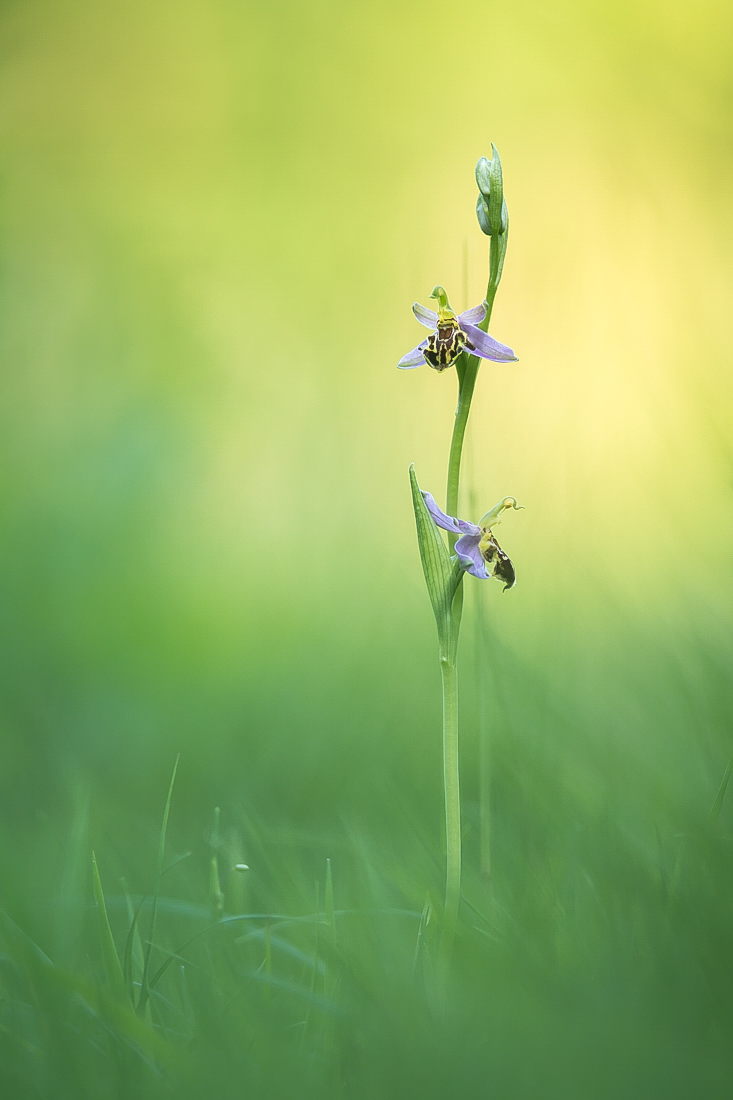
414, 358
473, 316
469, 556
448, 523
426, 316
487, 347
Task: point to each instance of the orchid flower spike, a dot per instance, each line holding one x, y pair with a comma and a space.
477, 550
451, 335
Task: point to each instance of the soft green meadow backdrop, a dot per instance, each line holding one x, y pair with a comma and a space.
214, 218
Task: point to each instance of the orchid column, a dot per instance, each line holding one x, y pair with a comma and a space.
461, 341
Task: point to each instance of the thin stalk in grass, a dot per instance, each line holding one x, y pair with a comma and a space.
484, 733
461, 341
133, 940
314, 973
145, 986
483, 686
216, 894
110, 958
452, 794
720, 796
467, 370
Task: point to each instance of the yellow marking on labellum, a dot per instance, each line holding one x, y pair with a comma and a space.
446, 343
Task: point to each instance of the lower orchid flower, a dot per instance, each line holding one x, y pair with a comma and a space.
477, 550
452, 335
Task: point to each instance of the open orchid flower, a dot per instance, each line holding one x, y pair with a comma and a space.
477, 550
451, 335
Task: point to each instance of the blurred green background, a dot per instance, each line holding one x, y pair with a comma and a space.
214, 218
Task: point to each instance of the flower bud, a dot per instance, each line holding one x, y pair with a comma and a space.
490, 208
482, 213
483, 176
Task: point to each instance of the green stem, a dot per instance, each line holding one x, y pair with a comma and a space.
467, 370
484, 801
452, 802
465, 395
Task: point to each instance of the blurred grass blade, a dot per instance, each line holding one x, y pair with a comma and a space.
24, 941
145, 990
112, 969
133, 943
319, 967
425, 918
173, 955
280, 945
328, 900
720, 796
216, 894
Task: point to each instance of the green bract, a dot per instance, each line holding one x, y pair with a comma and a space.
442, 573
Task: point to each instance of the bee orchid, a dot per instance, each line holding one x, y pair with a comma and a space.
452, 335
477, 550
